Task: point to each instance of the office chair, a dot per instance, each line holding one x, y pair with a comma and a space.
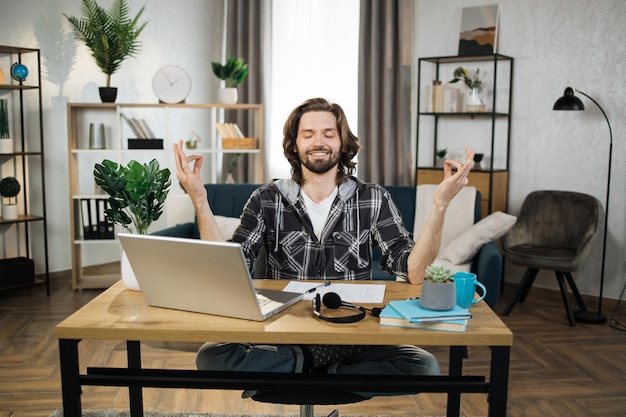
307, 400
554, 231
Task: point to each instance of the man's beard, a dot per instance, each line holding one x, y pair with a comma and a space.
320, 166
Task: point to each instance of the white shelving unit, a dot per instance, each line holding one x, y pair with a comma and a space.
94, 261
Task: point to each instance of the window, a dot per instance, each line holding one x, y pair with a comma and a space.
315, 48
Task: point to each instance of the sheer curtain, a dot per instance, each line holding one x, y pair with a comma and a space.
385, 59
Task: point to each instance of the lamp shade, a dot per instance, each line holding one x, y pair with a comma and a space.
569, 101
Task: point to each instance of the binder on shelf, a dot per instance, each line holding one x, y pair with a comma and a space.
389, 316
94, 221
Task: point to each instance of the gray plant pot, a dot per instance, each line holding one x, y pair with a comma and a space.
438, 296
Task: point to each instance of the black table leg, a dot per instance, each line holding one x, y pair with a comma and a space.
457, 354
133, 351
499, 380
70, 377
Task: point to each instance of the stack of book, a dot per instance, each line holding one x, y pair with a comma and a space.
408, 313
233, 137
144, 138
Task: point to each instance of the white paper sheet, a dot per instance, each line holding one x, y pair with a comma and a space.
351, 293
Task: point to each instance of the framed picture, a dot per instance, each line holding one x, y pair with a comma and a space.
479, 31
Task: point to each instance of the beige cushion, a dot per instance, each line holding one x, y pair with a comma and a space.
227, 225
459, 215
463, 248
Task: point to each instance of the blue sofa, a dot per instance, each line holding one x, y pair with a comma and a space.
229, 199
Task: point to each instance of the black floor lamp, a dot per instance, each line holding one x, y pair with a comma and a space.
570, 102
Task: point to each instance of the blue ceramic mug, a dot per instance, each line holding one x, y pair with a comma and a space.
466, 284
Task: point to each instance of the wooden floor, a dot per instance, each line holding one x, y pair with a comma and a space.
556, 370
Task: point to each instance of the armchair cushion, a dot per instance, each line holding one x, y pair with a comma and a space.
465, 246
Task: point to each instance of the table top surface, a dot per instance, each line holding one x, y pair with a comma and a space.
121, 314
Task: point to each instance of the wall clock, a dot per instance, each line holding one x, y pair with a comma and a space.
171, 84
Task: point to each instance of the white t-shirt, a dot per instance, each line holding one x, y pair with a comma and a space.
318, 212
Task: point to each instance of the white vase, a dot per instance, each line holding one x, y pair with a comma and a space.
474, 102
128, 275
6, 145
9, 211
228, 95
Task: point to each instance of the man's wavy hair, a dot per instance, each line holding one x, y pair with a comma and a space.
349, 142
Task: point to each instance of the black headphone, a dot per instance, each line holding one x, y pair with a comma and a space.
333, 300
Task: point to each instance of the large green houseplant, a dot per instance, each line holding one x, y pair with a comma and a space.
112, 36
233, 72
137, 192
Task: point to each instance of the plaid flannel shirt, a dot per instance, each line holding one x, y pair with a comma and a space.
361, 216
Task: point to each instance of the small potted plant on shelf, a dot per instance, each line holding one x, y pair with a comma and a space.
232, 166
6, 143
112, 36
474, 103
137, 194
440, 155
438, 289
9, 189
233, 73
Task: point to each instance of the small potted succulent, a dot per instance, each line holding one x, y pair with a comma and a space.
233, 73
438, 289
9, 189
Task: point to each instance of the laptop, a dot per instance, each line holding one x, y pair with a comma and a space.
200, 276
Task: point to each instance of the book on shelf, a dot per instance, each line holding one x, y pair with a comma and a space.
389, 316
140, 127
229, 130
410, 309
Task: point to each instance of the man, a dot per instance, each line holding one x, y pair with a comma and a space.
322, 224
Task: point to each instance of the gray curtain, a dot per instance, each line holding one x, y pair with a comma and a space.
385, 59
244, 40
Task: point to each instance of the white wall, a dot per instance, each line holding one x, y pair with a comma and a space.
556, 43
187, 34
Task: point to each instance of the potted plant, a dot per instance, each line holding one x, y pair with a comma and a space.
438, 289
137, 194
233, 73
6, 143
474, 102
232, 166
9, 189
112, 36
441, 156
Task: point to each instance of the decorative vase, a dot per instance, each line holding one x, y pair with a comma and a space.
6, 145
438, 296
474, 102
128, 275
108, 94
9, 211
228, 95
229, 178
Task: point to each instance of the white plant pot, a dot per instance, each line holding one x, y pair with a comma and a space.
6, 145
227, 95
128, 275
9, 211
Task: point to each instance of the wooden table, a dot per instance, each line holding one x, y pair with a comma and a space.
121, 314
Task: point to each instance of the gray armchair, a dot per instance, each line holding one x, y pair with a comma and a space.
554, 231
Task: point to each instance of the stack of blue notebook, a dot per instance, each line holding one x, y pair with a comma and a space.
408, 313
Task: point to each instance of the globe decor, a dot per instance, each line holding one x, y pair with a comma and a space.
19, 72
